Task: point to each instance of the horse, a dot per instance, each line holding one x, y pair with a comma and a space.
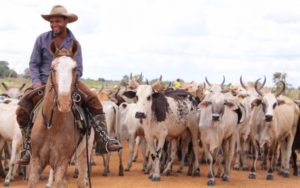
54, 134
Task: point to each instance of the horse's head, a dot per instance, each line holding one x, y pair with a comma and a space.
63, 75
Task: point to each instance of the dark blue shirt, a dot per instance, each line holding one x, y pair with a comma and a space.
41, 57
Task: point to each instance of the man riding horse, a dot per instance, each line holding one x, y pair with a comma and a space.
39, 65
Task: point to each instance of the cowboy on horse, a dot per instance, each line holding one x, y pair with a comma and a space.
40, 64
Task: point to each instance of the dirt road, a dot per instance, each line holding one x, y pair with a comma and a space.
136, 178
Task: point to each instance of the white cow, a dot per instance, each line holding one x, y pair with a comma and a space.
219, 117
10, 132
113, 129
163, 116
280, 124
134, 128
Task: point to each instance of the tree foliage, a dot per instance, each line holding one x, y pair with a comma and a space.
5, 71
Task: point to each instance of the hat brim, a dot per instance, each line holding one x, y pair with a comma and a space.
71, 17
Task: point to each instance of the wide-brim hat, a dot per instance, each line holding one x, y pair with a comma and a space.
59, 10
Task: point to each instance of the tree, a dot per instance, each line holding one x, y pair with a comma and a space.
4, 69
278, 76
26, 73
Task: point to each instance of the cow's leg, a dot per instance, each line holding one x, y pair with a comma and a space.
244, 144
156, 154
229, 157
144, 153
184, 150
11, 163
194, 134
50, 179
252, 173
105, 164
238, 152
295, 166
211, 176
271, 161
131, 150
136, 148
34, 175
167, 170
286, 151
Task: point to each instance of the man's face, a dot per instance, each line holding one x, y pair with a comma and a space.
58, 24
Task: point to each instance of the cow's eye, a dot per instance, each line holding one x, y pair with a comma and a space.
148, 98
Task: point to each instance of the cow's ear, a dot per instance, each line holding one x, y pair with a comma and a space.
204, 104
256, 102
129, 94
231, 105
156, 95
280, 102
124, 105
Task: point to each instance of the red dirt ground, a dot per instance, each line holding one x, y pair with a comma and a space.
136, 178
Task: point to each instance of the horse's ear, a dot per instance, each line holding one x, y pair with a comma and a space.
53, 48
4, 85
74, 47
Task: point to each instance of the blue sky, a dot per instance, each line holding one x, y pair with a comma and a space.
189, 39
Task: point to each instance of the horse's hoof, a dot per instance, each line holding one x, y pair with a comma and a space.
127, 169
72, 163
252, 176
270, 177
211, 182
48, 186
105, 174
121, 173
150, 177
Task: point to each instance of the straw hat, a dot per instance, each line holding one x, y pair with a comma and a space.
59, 10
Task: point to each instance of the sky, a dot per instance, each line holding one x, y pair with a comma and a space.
187, 39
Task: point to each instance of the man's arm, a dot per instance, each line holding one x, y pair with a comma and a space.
35, 63
78, 58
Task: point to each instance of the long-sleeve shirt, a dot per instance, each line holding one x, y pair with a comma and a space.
41, 57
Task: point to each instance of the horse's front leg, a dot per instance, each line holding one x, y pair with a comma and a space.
60, 175
34, 172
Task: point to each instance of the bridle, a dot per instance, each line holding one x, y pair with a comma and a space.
75, 98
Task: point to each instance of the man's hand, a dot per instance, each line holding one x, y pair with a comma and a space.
37, 85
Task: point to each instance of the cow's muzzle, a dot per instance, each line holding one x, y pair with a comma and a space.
140, 115
216, 117
268, 118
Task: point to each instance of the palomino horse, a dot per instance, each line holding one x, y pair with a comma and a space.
54, 134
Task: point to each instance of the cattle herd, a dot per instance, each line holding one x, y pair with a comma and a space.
201, 122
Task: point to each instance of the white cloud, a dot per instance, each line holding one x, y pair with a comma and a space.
189, 39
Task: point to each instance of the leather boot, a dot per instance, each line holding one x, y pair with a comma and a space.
26, 153
106, 144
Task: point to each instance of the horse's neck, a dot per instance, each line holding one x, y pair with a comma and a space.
49, 103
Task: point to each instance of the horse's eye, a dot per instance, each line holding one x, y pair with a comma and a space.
274, 105
148, 98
